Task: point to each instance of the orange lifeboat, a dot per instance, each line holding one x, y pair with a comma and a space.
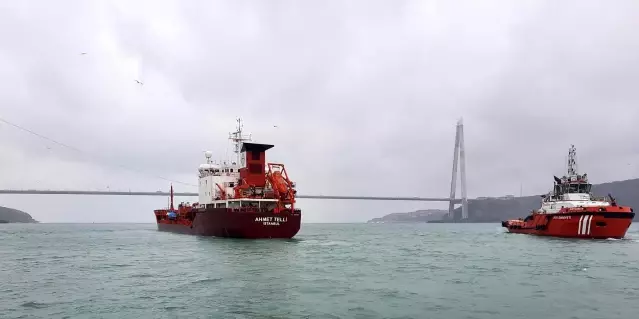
279, 183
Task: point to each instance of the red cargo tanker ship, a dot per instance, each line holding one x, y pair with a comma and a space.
250, 200
571, 211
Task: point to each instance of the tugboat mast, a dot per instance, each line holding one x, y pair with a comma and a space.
572, 163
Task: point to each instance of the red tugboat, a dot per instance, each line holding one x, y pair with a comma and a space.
250, 200
571, 211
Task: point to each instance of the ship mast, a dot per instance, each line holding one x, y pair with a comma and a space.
171, 204
238, 139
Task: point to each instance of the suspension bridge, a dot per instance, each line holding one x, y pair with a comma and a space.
459, 159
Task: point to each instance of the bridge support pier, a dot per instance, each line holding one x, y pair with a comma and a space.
459, 159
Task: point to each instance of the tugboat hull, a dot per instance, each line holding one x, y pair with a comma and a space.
587, 225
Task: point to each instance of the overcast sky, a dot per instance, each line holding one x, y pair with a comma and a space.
365, 95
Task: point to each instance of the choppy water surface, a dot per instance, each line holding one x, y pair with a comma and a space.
329, 271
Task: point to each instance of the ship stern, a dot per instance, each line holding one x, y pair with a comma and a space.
245, 224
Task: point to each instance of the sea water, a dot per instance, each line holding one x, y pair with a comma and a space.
328, 271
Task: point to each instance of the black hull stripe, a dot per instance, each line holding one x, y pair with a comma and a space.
619, 215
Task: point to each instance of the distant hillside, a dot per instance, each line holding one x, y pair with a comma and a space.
10, 215
419, 216
495, 210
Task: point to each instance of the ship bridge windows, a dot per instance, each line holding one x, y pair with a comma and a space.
210, 172
219, 171
578, 188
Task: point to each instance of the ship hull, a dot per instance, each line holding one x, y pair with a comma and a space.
587, 225
222, 222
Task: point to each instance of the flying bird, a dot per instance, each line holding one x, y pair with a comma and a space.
139, 82
83, 53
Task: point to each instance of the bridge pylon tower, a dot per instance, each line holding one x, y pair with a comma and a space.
459, 158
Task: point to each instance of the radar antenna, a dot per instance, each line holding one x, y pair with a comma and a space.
572, 163
238, 139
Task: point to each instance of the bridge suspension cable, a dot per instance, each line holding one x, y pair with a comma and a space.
90, 155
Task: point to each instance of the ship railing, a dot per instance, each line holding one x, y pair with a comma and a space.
600, 198
247, 210
253, 210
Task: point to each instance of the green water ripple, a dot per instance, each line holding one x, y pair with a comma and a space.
328, 271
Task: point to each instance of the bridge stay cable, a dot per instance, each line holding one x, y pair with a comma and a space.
95, 158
